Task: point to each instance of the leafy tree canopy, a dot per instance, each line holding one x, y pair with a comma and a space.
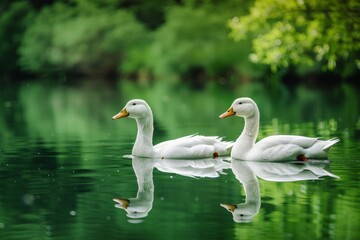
81, 38
195, 39
302, 32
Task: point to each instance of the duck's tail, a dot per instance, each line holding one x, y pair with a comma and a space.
330, 143
321, 148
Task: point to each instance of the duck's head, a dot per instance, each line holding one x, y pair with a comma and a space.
241, 212
242, 107
134, 208
136, 108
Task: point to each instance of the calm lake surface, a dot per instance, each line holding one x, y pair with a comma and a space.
62, 163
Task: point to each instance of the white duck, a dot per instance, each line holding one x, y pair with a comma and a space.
273, 148
192, 146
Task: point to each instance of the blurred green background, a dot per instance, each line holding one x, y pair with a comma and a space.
67, 66
192, 41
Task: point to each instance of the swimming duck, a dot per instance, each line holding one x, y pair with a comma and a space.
192, 146
273, 148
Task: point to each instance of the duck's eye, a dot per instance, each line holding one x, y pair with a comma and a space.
134, 104
241, 215
240, 102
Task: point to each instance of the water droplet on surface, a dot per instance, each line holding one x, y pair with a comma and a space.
72, 213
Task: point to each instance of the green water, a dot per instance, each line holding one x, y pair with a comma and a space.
61, 165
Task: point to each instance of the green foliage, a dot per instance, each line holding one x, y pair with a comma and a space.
13, 22
292, 32
84, 39
188, 39
197, 38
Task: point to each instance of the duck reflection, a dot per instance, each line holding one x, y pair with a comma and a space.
199, 168
248, 172
140, 206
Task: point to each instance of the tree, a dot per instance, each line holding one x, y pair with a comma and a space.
194, 44
82, 39
14, 19
300, 32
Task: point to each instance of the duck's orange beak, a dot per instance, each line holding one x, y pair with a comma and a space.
228, 113
123, 113
123, 203
229, 207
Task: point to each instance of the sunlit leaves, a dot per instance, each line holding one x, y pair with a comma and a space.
293, 32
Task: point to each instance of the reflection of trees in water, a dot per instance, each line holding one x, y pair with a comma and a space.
40, 188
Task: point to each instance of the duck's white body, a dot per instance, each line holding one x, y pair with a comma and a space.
192, 146
273, 148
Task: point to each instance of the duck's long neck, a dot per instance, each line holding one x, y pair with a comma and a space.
143, 146
248, 136
251, 128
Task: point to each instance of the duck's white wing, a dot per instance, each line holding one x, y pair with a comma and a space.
280, 148
273, 141
289, 147
193, 146
165, 144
